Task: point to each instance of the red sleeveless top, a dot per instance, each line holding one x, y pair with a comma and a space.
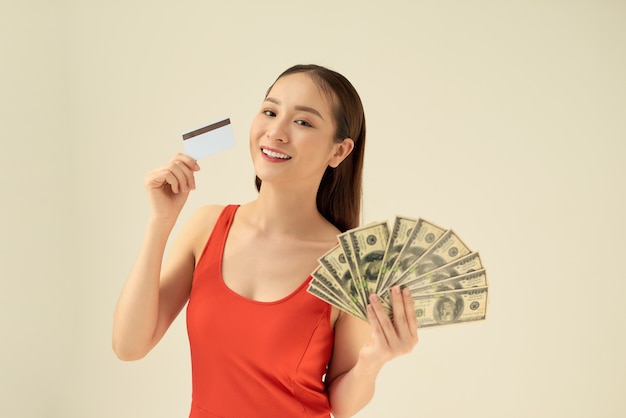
254, 359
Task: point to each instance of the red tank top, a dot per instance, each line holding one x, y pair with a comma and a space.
249, 358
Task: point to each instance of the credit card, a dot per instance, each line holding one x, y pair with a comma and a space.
210, 139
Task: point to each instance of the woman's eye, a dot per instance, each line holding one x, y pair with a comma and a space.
304, 123
269, 113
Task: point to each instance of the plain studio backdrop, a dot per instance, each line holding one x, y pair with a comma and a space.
504, 120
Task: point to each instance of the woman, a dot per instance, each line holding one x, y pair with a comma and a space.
261, 346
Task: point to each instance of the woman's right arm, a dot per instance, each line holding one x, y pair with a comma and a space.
153, 296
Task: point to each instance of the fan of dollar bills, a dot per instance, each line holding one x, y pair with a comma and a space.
447, 280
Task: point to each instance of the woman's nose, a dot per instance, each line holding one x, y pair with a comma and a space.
277, 131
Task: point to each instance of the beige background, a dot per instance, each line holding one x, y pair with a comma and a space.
505, 120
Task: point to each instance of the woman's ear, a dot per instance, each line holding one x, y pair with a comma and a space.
342, 150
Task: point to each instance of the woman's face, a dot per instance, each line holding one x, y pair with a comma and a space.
292, 136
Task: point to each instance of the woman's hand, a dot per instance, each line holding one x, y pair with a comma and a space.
390, 338
168, 186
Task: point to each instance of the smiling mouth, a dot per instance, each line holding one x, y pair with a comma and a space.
274, 154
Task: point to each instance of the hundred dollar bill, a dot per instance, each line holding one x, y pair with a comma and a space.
368, 245
324, 278
464, 281
466, 264
447, 249
318, 290
337, 264
400, 233
423, 235
453, 307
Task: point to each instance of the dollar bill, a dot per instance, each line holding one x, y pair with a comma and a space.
400, 233
452, 307
447, 281
323, 278
364, 248
463, 281
466, 264
338, 265
423, 235
446, 249
317, 289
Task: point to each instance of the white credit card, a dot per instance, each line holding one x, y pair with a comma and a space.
215, 137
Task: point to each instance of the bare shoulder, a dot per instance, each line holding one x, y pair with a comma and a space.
206, 214
199, 227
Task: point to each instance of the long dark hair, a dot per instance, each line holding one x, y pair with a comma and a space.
340, 191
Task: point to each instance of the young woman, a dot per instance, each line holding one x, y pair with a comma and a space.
261, 345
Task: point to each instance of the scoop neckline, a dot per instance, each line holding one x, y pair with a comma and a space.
292, 294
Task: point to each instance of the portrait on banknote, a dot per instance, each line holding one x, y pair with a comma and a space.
448, 309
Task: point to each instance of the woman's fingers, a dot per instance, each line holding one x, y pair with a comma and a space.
178, 173
168, 186
404, 317
183, 177
183, 168
400, 335
397, 306
378, 317
409, 307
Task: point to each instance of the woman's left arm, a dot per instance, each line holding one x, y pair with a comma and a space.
361, 350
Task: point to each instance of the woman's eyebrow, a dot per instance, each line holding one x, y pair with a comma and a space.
297, 107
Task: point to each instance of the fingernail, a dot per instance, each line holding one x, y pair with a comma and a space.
374, 297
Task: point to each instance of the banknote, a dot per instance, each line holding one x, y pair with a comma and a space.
400, 233
466, 264
422, 237
348, 256
452, 307
341, 289
446, 279
463, 281
338, 265
360, 248
446, 249
317, 289
368, 246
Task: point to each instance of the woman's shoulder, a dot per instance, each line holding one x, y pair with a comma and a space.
200, 224
207, 212
205, 217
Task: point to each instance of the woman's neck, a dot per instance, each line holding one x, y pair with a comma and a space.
286, 212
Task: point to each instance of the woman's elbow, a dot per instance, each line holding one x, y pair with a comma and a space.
126, 353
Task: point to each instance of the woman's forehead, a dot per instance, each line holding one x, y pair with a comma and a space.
301, 86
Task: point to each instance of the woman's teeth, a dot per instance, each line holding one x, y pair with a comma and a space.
275, 154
